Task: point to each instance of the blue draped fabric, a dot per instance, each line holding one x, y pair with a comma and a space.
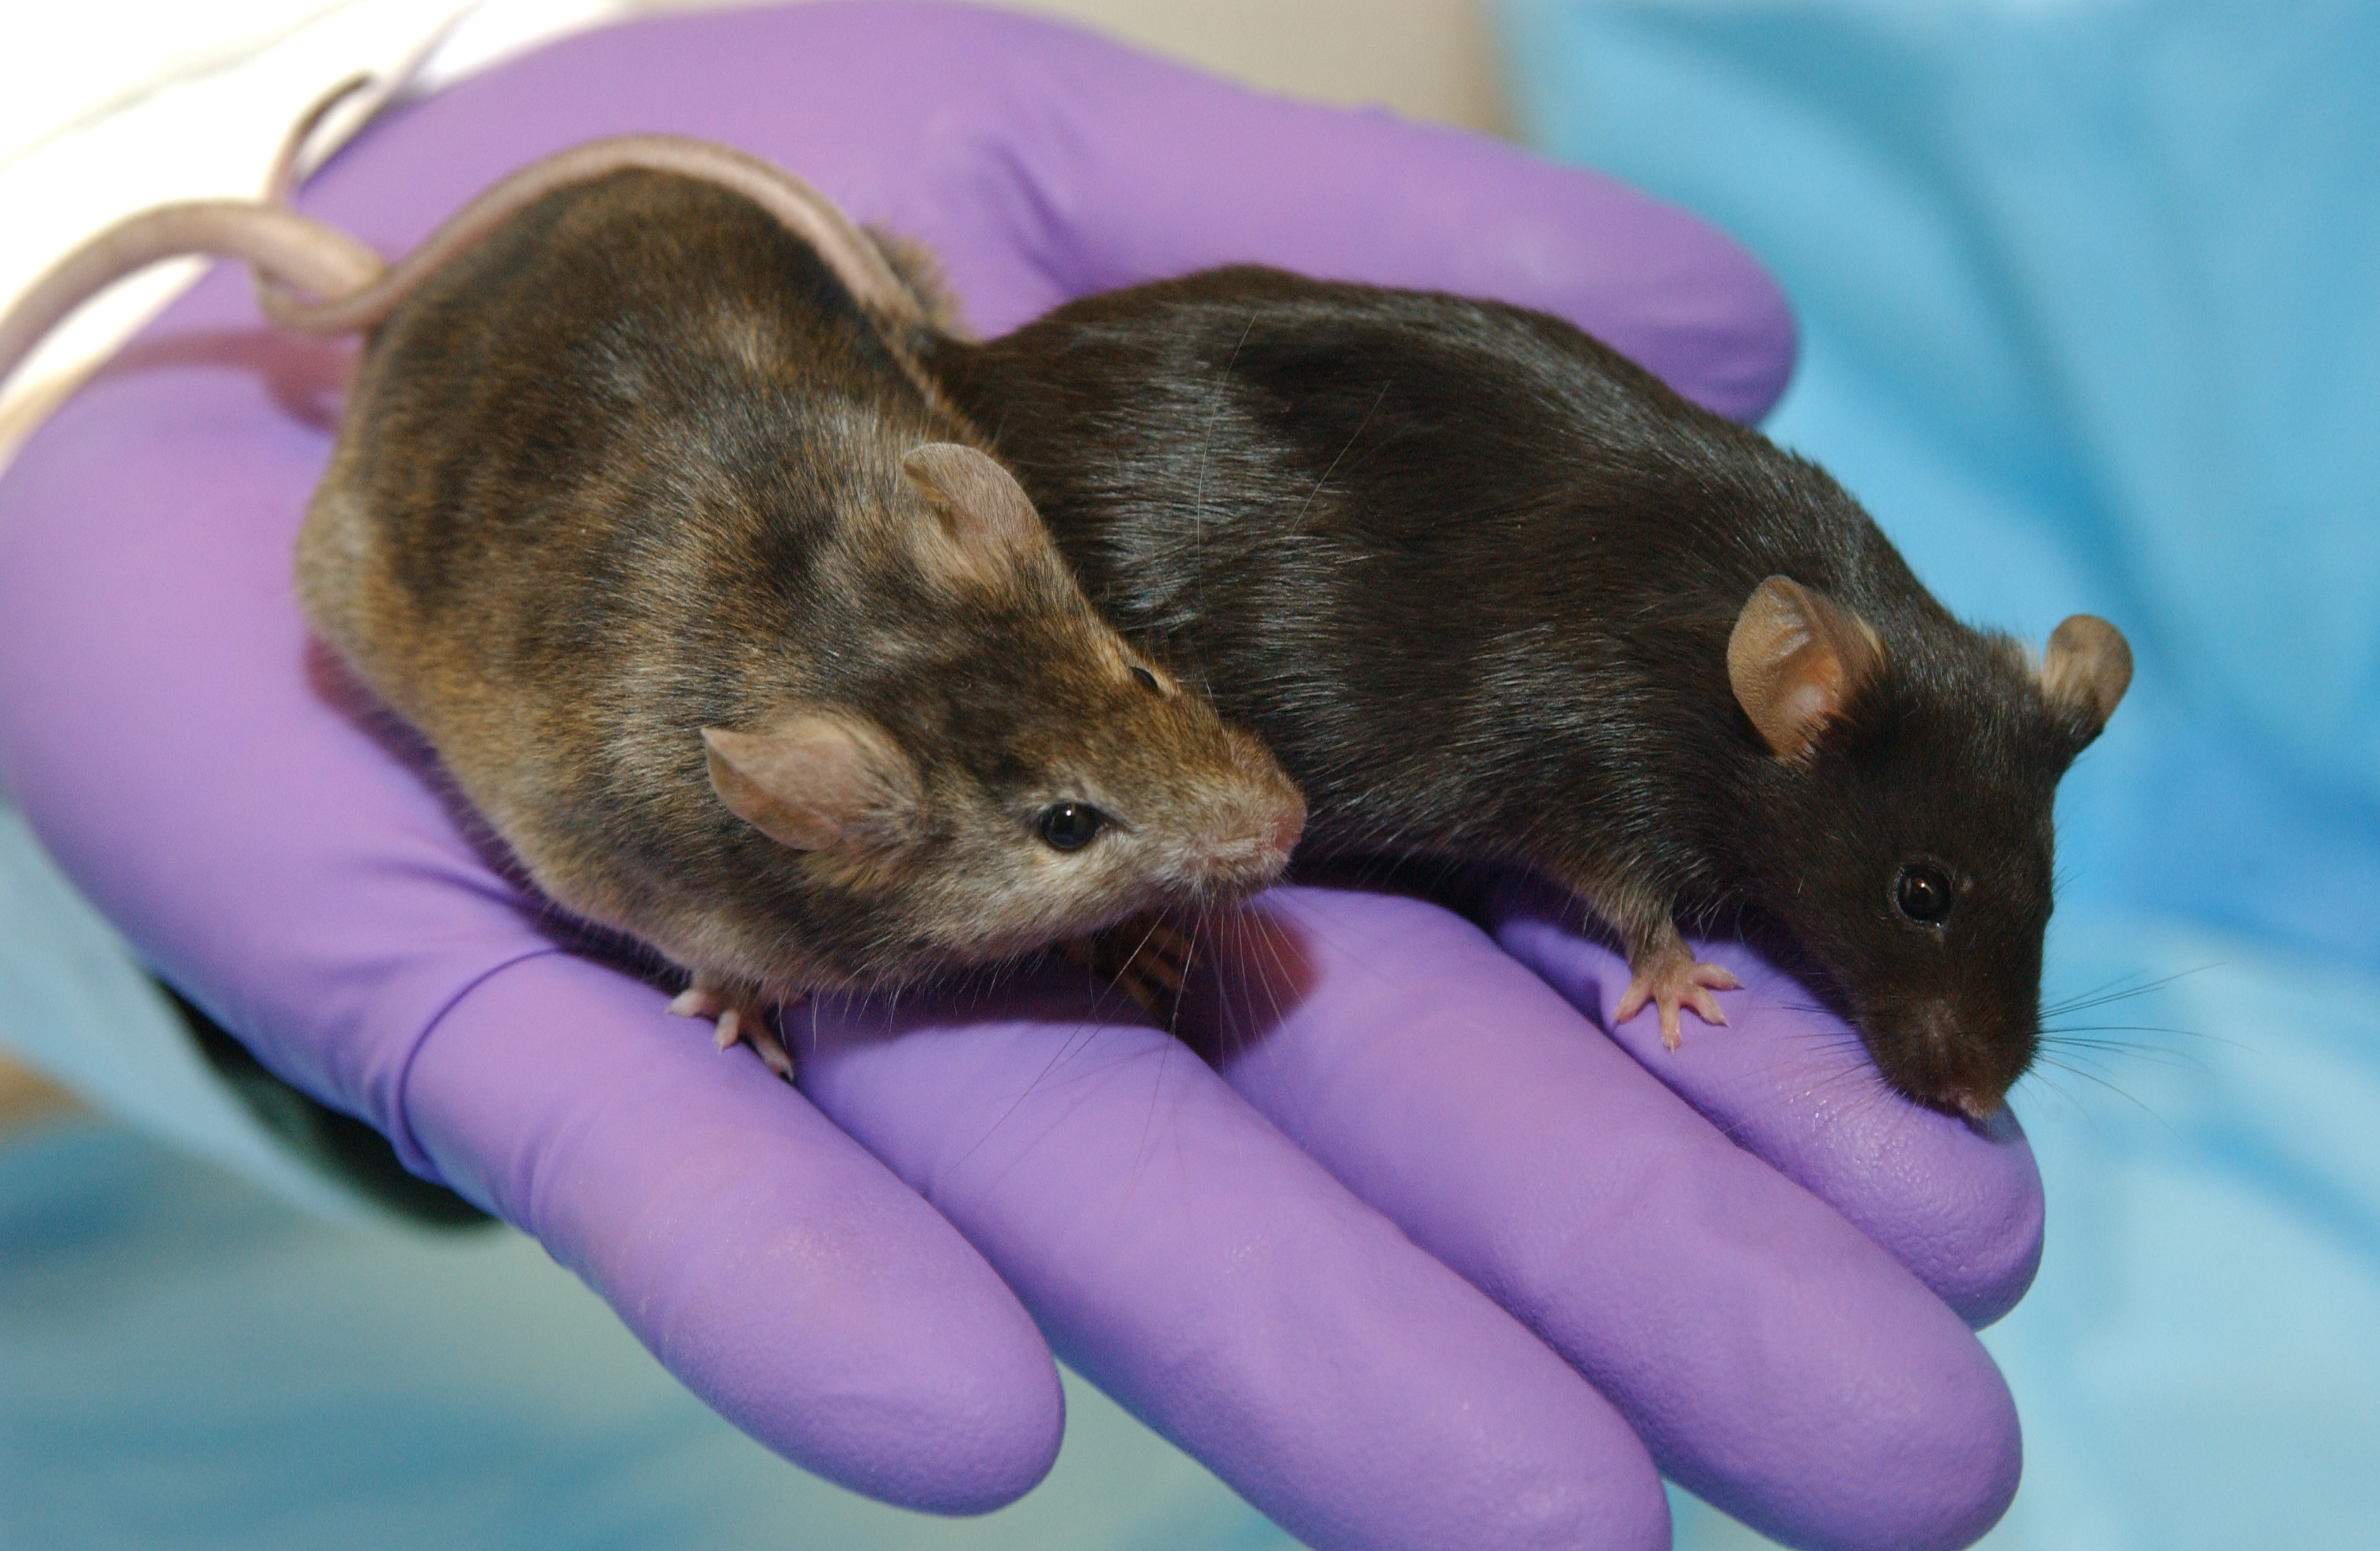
2091, 302
2090, 295
188, 1364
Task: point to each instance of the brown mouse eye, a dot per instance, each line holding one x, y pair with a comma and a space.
1922, 892
1144, 676
1069, 826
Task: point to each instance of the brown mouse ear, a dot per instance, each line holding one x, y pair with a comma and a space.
1796, 658
2086, 671
980, 503
814, 780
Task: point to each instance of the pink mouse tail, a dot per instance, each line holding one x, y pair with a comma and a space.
297, 253
313, 279
801, 209
289, 170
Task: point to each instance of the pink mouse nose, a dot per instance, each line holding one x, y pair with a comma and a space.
1249, 848
1258, 822
1288, 826
1976, 1106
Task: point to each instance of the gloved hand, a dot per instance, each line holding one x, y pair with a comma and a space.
1359, 1268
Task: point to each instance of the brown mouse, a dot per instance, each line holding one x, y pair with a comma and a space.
1490, 591
712, 607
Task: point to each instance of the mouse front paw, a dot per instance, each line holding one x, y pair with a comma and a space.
742, 1015
1671, 979
1148, 957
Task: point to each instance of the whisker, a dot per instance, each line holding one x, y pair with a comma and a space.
1333, 467
2121, 1093
2170, 1060
2115, 990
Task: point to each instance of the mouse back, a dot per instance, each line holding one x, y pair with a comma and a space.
1491, 591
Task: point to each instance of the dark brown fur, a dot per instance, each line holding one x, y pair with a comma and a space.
1472, 575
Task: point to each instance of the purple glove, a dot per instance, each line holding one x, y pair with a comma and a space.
1361, 1270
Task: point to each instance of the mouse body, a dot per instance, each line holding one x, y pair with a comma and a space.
732, 632
1492, 592
712, 606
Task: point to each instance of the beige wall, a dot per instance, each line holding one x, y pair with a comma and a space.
25, 1097
1425, 58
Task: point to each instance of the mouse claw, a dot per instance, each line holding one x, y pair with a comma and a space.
752, 1026
770, 1046
742, 1015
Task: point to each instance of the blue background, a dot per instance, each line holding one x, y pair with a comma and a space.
2089, 300
2090, 295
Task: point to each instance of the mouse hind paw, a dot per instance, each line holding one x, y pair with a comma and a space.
741, 1013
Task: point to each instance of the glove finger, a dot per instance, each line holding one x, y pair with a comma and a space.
1962, 1208
779, 1270
1775, 1361
188, 759
1183, 1255
1122, 168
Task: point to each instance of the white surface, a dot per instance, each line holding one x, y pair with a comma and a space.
108, 108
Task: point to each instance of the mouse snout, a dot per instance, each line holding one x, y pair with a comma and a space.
1249, 843
1970, 1103
1944, 1064
1254, 823
1275, 807
1273, 824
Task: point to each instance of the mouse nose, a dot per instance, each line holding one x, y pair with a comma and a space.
1288, 823
1289, 829
1253, 845
1962, 1072
1976, 1106
1250, 842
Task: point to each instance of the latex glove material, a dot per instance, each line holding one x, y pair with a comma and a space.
287, 859
1796, 1088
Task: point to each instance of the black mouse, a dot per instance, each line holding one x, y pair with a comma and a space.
1491, 591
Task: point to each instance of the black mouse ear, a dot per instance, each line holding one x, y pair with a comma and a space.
980, 503
1796, 660
2086, 672
816, 780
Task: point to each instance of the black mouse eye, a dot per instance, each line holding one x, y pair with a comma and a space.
1070, 826
1144, 676
1922, 892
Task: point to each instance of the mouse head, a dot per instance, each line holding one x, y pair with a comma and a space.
990, 766
1899, 820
